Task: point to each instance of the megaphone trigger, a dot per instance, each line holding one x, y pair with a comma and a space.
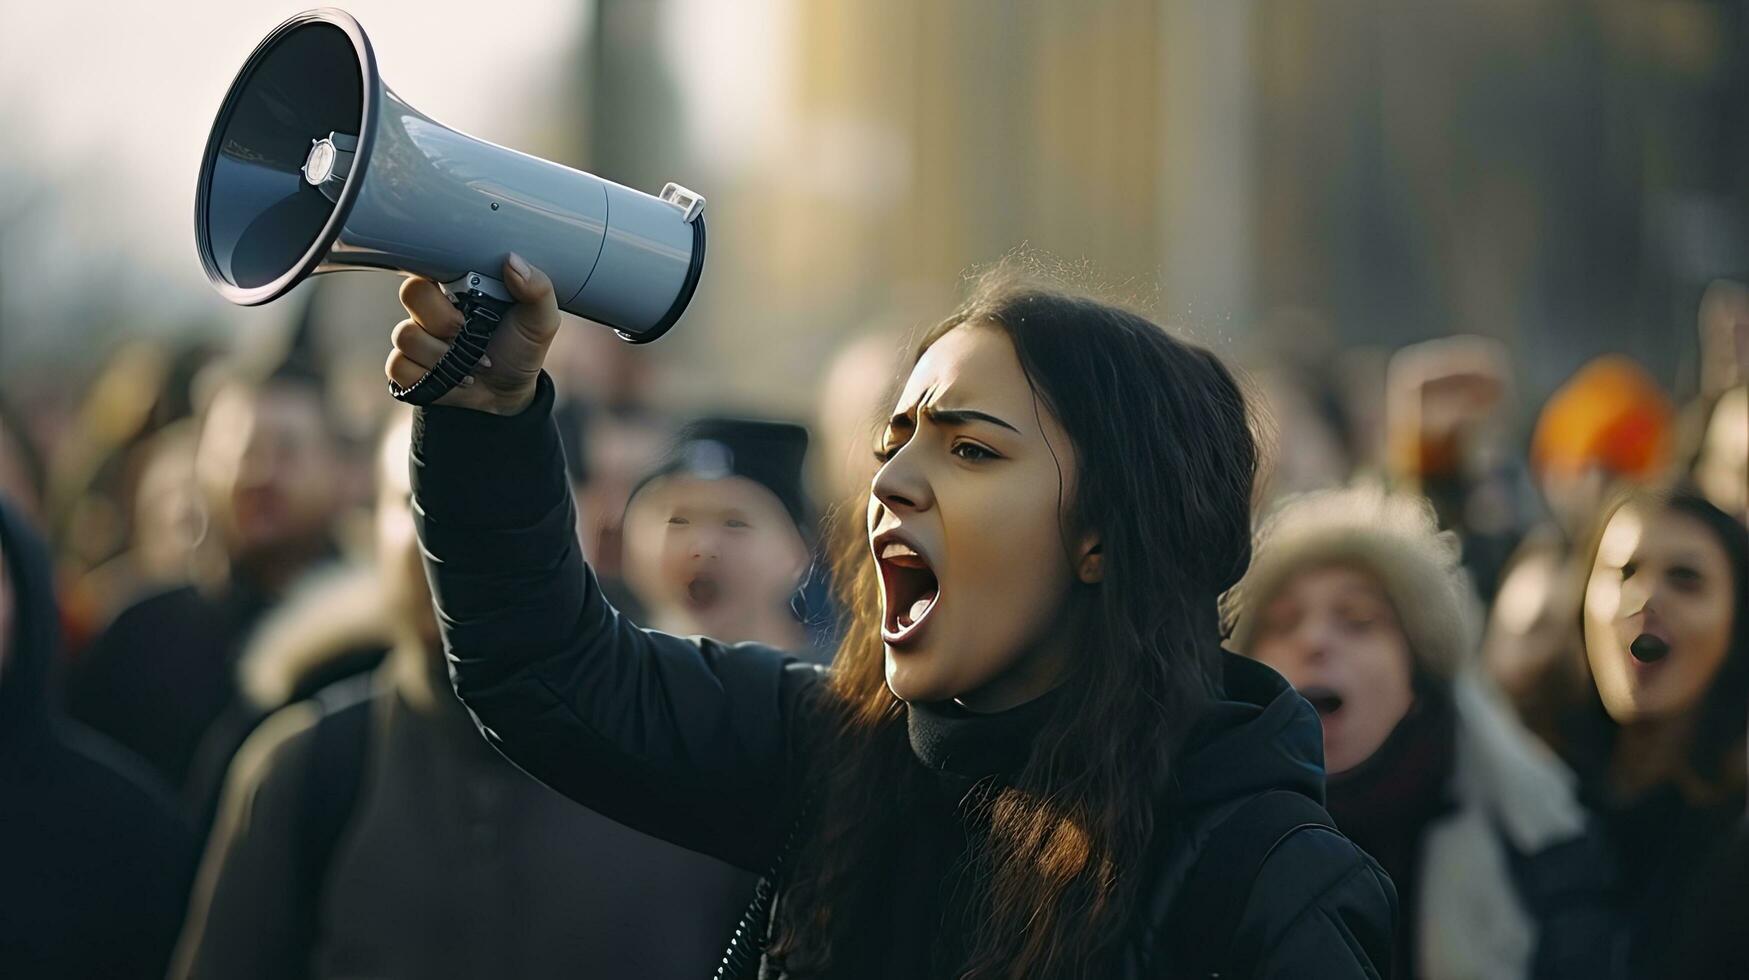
483, 301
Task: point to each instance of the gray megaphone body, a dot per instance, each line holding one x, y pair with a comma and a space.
314, 165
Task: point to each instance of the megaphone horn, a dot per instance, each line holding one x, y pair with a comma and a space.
314, 165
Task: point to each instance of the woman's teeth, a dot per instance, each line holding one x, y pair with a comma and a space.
902, 556
916, 612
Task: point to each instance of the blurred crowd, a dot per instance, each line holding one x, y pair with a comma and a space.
228, 747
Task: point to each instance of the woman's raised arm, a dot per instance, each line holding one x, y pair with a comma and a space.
685, 739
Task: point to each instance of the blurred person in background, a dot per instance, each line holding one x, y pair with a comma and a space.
98, 467
858, 383
1718, 463
1720, 470
167, 544
372, 832
270, 472
326, 629
1360, 602
23, 472
94, 859
607, 450
1608, 425
1295, 377
1724, 337
1447, 402
1035, 602
719, 536
1656, 732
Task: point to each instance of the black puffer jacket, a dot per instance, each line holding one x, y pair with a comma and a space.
699, 743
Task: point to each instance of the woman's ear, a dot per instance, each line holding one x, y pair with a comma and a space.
1090, 565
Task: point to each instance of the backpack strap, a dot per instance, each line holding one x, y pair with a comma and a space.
333, 772
1206, 913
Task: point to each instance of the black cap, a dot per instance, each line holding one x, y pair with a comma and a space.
768, 453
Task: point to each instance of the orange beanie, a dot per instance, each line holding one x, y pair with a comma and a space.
1611, 414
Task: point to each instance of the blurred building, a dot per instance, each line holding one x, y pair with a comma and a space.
1565, 175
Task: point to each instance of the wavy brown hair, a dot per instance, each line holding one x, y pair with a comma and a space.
1166, 461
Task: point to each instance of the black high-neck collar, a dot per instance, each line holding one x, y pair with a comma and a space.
951, 740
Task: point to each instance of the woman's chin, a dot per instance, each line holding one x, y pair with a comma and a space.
909, 683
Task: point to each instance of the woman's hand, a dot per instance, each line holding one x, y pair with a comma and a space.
503, 382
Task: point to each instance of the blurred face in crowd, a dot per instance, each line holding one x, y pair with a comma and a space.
718, 557
966, 521
169, 518
397, 543
853, 396
1332, 632
269, 468
1722, 471
1531, 622
1660, 587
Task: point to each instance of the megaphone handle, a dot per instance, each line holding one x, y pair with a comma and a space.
480, 316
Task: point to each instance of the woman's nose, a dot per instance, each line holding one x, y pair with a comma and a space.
899, 484
705, 547
1314, 641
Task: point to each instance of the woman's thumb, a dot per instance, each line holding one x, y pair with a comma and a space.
533, 292
526, 283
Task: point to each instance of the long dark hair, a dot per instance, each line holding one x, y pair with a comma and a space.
1166, 462
1587, 734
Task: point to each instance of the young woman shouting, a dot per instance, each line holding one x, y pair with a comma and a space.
1031, 757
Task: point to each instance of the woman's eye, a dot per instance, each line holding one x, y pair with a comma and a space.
736, 524
1278, 621
882, 455
972, 451
678, 522
1685, 579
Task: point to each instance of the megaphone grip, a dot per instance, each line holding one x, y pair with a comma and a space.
480, 316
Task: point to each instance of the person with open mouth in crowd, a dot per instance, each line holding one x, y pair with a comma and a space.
1030, 757
1656, 726
1361, 603
717, 535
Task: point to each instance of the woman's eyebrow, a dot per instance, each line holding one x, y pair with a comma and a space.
960, 416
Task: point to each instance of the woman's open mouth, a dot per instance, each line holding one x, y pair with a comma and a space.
1649, 648
1326, 700
702, 593
909, 590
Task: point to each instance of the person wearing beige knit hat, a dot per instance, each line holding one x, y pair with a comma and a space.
1358, 599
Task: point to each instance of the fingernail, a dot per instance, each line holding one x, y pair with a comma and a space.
485, 361
518, 266
467, 381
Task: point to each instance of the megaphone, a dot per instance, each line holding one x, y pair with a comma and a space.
314, 165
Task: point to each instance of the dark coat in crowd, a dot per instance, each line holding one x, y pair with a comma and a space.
1676, 869
704, 745
328, 628
1501, 873
159, 675
442, 861
1713, 941
94, 860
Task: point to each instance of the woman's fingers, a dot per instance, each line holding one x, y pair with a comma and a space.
420, 346
403, 371
426, 302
